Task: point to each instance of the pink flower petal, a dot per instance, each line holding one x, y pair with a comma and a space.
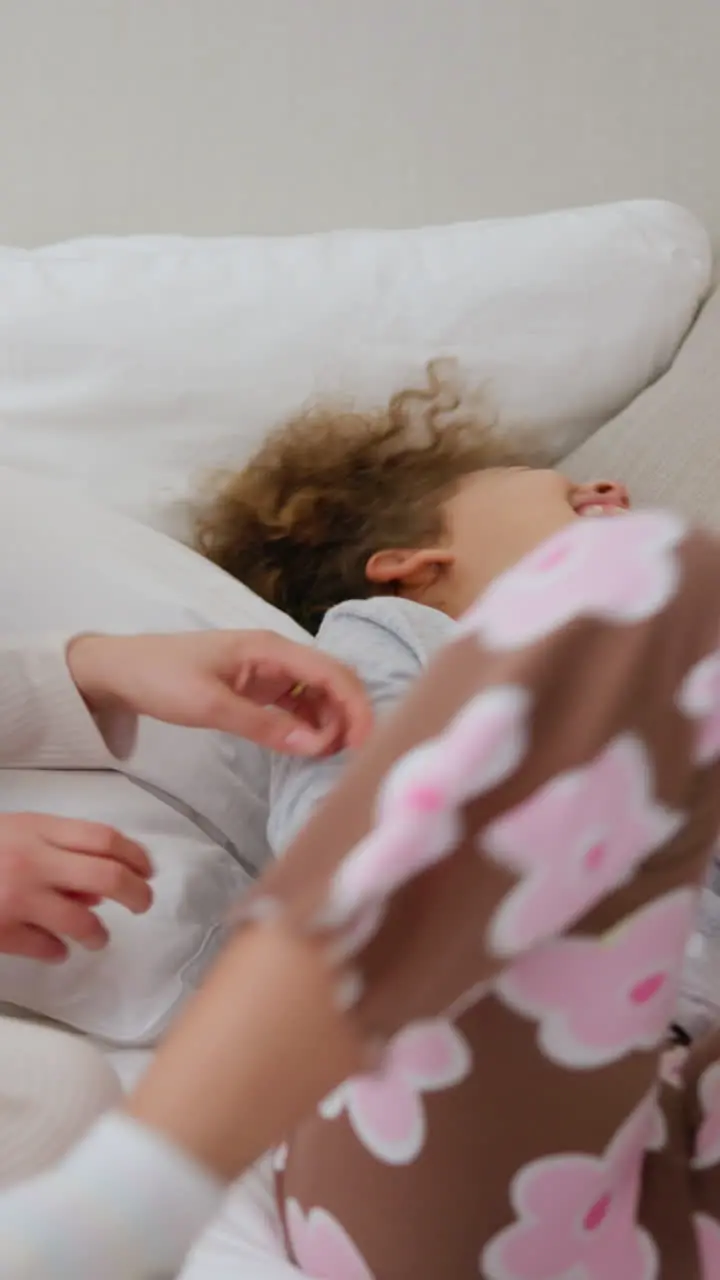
426, 798
386, 1109
624, 570
707, 1231
672, 1064
707, 1142
322, 1247
576, 839
431, 1055
575, 1214
394, 852
598, 999
418, 822
699, 698
388, 1118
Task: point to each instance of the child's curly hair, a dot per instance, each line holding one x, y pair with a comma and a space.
299, 523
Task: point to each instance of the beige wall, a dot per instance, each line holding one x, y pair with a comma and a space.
215, 116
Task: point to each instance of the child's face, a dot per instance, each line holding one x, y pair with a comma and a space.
498, 516
493, 519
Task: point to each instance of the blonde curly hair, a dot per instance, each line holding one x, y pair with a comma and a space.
299, 523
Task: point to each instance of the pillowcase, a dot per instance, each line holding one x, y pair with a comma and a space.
132, 366
666, 445
197, 800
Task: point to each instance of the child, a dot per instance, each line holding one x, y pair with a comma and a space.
470, 949
376, 532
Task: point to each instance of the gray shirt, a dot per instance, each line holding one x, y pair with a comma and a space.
388, 641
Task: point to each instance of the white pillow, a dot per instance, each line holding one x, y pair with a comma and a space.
131, 366
201, 810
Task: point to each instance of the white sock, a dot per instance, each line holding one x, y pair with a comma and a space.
125, 1204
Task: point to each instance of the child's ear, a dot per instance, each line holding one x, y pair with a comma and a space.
411, 567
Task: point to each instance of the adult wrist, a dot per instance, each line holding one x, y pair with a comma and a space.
93, 663
86, 656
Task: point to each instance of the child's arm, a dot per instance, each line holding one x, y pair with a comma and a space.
372, 640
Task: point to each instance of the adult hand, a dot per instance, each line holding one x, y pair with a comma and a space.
53, 871
255, 684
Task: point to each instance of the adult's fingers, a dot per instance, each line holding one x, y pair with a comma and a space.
98, 840
310, 667
270, 727
313, 710
32, 944
60, 916
341, 687
89, 879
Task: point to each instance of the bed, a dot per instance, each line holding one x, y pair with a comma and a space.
577, 330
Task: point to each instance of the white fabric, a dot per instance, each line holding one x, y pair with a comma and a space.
45, 722
245, 1241
52, 1088
197, 800
130, 367
124, 1204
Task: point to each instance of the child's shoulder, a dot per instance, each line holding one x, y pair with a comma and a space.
386, 621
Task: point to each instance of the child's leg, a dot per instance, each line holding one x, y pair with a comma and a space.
692, 1109
554, 774
52, 1087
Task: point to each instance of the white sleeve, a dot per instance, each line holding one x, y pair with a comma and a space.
387, 665
44, 721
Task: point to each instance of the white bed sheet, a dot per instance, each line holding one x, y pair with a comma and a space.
244, 1242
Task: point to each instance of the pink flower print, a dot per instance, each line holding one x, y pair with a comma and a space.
707, 1142
658, 1135
707, 1231
672, 1066
357, 932
386, 1109
575, 840
483, 744
398, 848
418, 821
598, 999
699, 699
576, 1215
622, 569
322, 1248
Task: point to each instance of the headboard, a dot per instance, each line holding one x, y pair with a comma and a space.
220, 116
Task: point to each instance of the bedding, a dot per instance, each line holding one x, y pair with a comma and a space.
130, 367
666, 445
197, 800
245, 1241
